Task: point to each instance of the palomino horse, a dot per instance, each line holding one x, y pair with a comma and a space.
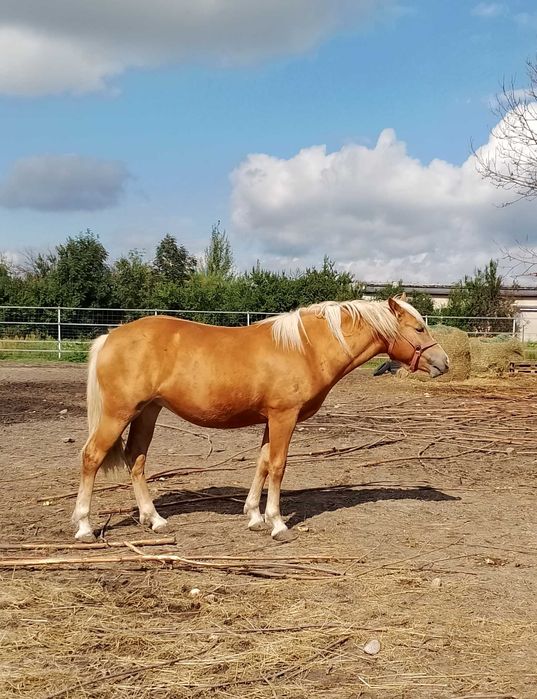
277, 373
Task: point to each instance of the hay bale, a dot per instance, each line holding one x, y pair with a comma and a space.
456, 344
491, 356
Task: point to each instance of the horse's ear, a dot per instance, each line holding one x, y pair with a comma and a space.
395, 307
402, 297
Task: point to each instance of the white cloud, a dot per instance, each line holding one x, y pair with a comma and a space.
489, 10
527, 20
64, 45
377, 211
63, 183
33, 64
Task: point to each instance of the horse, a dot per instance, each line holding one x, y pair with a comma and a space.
276, 372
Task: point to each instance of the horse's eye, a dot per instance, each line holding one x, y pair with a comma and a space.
420, 330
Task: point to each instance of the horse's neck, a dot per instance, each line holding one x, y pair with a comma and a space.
333, 359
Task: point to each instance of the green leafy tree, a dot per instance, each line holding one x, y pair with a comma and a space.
6, 283
270, 292
218, 257
326, 284
79, 275
36, 275
477, 296
133, 281
173, 262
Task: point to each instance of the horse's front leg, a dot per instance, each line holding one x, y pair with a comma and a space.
281, 426
251, 506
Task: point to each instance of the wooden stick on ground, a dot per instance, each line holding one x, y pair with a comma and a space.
196, 434
263, 568
162, 541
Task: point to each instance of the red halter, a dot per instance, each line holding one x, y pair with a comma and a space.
418, 351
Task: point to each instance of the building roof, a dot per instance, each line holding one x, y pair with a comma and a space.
444, 289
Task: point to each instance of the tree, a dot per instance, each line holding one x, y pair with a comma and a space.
218, 257
326, 284
173, 262
479, 296
133, 281
6, 283
512, 163
80, 276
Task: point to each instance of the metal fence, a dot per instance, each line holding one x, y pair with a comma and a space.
67, 332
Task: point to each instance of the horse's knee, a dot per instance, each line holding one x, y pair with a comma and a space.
276, 470
264, 454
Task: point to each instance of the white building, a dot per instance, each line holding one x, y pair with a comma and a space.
524, 298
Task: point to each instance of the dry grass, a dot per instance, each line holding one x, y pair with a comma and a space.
114, 630
121, 633
491, 357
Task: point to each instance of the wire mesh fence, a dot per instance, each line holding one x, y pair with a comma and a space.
66, 333
480, 326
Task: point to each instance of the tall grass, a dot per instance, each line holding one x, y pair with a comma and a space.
31, 348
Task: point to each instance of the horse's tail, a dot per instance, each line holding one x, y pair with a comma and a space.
115, 458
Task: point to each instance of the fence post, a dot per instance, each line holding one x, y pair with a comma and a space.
59, 333
426, 319
248, 318
514, 327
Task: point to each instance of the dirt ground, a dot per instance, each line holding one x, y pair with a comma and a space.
417, 527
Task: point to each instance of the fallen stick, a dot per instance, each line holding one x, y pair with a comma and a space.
263, 569
196, 434
335, 451
163, 541
284, 494
199, 498
172, 631
169, 473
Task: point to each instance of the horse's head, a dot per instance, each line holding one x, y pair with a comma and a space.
414, 345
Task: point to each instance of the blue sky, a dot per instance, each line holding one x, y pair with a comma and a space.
168, 120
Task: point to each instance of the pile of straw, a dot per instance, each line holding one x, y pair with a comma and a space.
491, 356
456, 344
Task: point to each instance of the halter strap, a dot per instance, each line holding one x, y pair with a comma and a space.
418, 351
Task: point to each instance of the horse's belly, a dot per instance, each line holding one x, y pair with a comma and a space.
219, 417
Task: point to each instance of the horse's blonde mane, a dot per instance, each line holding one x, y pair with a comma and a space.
288, 329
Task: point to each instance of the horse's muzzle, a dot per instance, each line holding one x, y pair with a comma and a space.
438, 366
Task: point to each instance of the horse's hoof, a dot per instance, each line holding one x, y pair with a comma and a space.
284, 536
258, 526
86, 538
159, 525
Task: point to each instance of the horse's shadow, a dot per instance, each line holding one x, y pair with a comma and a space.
301, 504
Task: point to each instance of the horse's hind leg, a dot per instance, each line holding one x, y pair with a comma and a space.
93, 455
140, 436
251, 506
281, 426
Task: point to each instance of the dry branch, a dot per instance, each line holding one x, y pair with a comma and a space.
57, 545
196, 434
265, 568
